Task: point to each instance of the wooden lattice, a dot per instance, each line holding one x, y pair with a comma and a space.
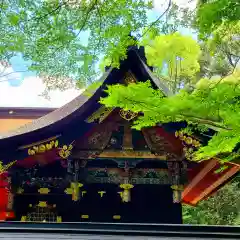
42, 214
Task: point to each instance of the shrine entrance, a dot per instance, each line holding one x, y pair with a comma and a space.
148, 204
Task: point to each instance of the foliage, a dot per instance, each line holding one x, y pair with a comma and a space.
50, 33
213, 104
65, 39
212, 64
213, 13
225, 40
206, 94
178, 60
221, 209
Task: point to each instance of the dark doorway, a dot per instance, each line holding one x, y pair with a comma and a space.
149, 204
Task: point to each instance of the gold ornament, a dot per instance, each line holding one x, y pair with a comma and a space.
42, 148
59, 219
65, 151
188, 140
101, 193
4, 168
83, 193
74, 190
127, 115
126, 195
177, 193
177, 187
23, 218
42, 204
44, 190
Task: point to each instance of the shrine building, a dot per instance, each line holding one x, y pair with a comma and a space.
84, 163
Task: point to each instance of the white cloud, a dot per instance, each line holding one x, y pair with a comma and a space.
161, 5
16, 91
27, 94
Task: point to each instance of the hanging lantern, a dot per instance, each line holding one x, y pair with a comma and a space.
177, 193
126, 194
76, 193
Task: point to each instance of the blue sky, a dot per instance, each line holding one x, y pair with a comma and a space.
22, 89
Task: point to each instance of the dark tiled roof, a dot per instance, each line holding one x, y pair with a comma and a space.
24, 112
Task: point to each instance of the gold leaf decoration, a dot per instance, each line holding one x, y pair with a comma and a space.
42, 147
65, 151
69, 191
44, 190
42, 204
127, 115
4, 168
188, 140
101, 193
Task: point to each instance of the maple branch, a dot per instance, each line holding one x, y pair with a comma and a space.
212, 124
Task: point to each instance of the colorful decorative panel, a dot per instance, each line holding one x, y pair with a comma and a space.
139, 176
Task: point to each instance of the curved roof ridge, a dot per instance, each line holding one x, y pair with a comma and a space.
71, 107
56, 115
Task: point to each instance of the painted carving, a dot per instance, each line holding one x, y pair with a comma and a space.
158, 144
138, 176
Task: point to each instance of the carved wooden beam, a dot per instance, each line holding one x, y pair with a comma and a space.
118, 154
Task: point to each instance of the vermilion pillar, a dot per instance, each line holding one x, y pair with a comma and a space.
6, 198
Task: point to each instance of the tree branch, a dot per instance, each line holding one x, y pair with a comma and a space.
49, 13
7, 74
155, 22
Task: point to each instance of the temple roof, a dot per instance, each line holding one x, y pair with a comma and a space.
134, 62
24, 112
